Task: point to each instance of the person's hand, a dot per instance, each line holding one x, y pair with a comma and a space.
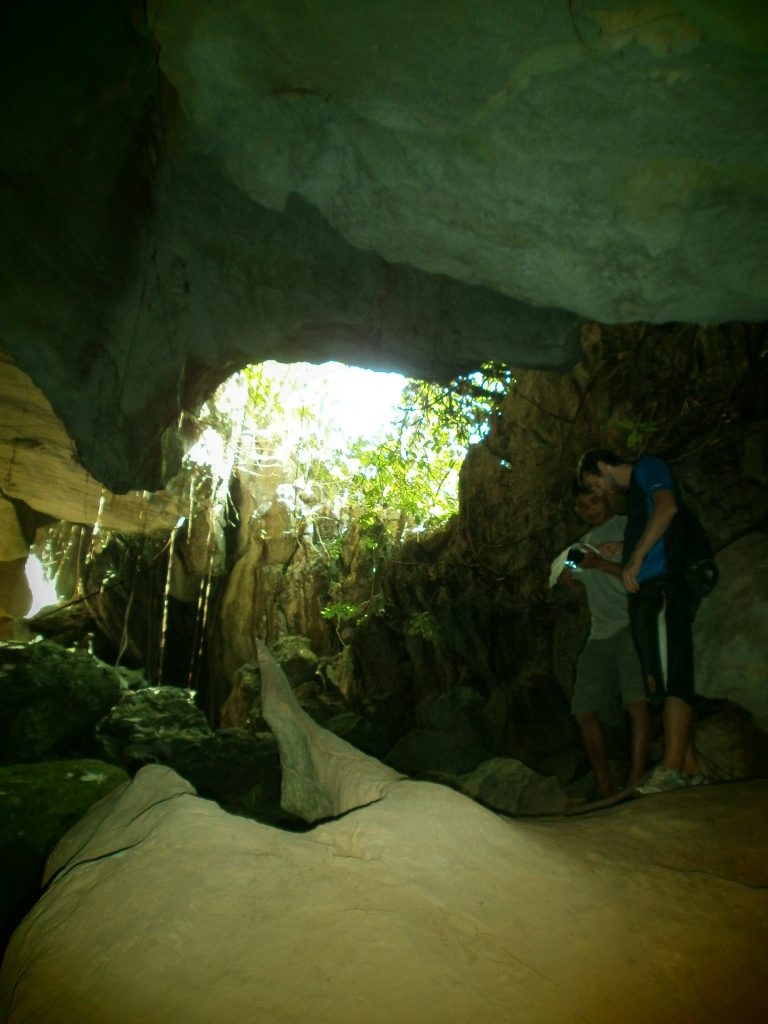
590, 560
567, 579
629, 575
611, 550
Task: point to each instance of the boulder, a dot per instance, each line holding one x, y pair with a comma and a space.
451, 739
363, 734
242, 708
422, 752
729, 745
510, 787
339, 669
162, 725
238, 770
51, 700
731, 629
295, 656
143, 727
459, 712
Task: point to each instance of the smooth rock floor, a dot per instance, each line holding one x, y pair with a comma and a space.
420, 907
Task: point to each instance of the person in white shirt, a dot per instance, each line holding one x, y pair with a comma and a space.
609, 660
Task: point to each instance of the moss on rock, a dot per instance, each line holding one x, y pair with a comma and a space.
39, 803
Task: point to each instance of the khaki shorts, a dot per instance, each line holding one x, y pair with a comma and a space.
606, 670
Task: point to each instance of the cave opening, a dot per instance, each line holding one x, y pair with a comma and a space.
576, 190
328, 466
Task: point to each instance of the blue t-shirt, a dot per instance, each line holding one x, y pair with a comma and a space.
649, 475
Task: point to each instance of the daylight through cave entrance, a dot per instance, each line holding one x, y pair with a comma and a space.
297, 481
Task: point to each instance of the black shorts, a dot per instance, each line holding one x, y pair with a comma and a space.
670, 597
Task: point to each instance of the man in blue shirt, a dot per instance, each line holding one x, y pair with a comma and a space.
653, 574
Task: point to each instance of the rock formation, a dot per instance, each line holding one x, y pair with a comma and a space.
731, 631
40, 466
421, 905
189, 189
579, 192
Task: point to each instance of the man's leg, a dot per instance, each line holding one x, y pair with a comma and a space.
644, 608
639, 740
679, 753
589, 695
629, 672
593, 738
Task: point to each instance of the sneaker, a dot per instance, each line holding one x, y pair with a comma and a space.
699, 779
661, 780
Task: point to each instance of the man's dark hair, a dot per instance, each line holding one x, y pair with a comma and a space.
588, 462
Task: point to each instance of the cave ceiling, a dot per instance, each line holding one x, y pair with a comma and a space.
188, 187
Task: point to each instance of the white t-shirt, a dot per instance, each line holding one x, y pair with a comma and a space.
606, 595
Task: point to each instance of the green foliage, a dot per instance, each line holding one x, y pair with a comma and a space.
407, 478
415, 468
639, 432
347, 612
264, 404
333, 547
422, 624
339, 611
